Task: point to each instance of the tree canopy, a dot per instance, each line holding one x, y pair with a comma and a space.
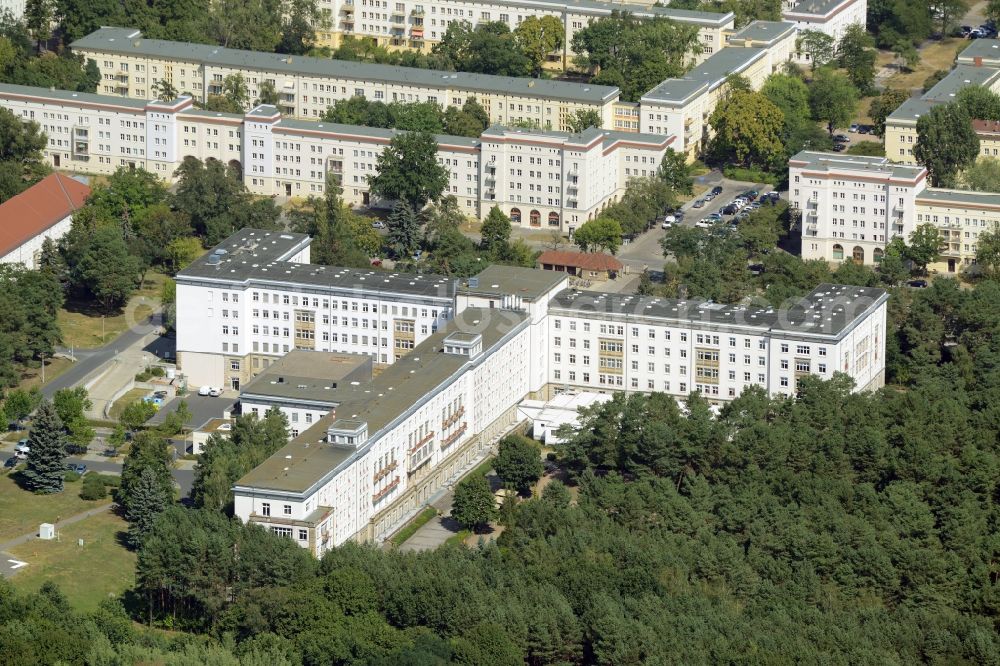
945, 143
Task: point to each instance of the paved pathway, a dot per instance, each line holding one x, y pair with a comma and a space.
435, 531
10, 566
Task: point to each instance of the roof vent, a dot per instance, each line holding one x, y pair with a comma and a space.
213, 260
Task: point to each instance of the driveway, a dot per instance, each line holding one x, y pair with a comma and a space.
90, 361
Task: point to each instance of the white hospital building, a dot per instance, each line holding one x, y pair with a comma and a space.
397, 384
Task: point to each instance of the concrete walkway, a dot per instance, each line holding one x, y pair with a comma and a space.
435, 531
25, 538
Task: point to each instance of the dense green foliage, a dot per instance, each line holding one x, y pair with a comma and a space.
47, 440
29, 331
21, 63
518, 462
634, 54
21, 145
945, 143
470, 120
408, 170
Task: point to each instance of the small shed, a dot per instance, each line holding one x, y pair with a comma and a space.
587, 265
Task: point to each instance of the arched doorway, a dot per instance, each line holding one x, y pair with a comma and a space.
838, 252
553, 219
535, 218
858, 255
236, 168
877, 255
515, 215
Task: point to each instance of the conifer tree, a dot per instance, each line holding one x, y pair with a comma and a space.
148, 500
46, 465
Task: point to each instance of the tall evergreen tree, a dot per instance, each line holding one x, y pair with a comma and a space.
404, 230
147, 502
46, 460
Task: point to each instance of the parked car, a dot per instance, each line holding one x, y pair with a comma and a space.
756, 269
715, 217
704, 223
378, 224
700, 203
709, 196
666, 225
11, 462
965, 30
917, 284
751, 195
774, 197
731, 209
853, 128
204, 390
839, 147
23, 446
841, 138
80, 469
864, 129
215, 392
975, 33
162, 395
716, 191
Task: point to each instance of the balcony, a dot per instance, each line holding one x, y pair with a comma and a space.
448, 422
381, 494
398, 21
417, 11
348, 8
455, 436
426, 438
384, 472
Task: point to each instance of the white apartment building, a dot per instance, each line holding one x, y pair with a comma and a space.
256, 297
852, 206
682, 107
369, 454
280, 156
15, 7
131, 65
421, 25
831, 17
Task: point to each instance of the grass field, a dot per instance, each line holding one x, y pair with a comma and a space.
81, 322
85, 574
125, 401
22, 511
935, 56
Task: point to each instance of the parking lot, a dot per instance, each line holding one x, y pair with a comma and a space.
730, 190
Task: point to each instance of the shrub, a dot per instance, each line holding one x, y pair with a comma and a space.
158, 372
109, 480
93, 488
70, 477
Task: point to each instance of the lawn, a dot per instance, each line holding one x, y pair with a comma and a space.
83, 325
22, 511
935, 56
32, 377
86, 574
125, 401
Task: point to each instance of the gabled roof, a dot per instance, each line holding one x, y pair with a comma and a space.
39, 207
588, 261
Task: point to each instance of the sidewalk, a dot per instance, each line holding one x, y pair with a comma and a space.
25, 538
437, 530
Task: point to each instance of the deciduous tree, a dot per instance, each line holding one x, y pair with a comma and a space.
883, 105
818, 46
601, 233
945, 143
408, 170
747, 130
473, 505
856, 53
833, 99
583, 119
924, 246
539, 37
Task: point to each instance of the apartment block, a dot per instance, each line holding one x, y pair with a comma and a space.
132, 65
831, 17
682, 107
368, 452
977, 65
578, 174
851, 206
421, 25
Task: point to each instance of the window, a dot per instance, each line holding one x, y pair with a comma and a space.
265, 509
287, 509
282, 531
303, 535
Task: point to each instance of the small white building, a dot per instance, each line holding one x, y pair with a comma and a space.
563, 409
44, 210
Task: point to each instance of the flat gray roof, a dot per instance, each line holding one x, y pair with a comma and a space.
129, 41
711, 73
307, 461
960, 77
315, 376
375, 132
882, 165
910, 110
828, 311
527, 283
764, 31
815, 7
260, 257
987, 49
89, 98
581, 138
964, 197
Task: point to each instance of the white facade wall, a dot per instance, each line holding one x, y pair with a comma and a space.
301, 414
850, 207
833, 19
27, 253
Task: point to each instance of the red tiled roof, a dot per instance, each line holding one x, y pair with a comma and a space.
39, 207
588, 261
986, 126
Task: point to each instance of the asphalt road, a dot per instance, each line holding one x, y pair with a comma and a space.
89, 360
